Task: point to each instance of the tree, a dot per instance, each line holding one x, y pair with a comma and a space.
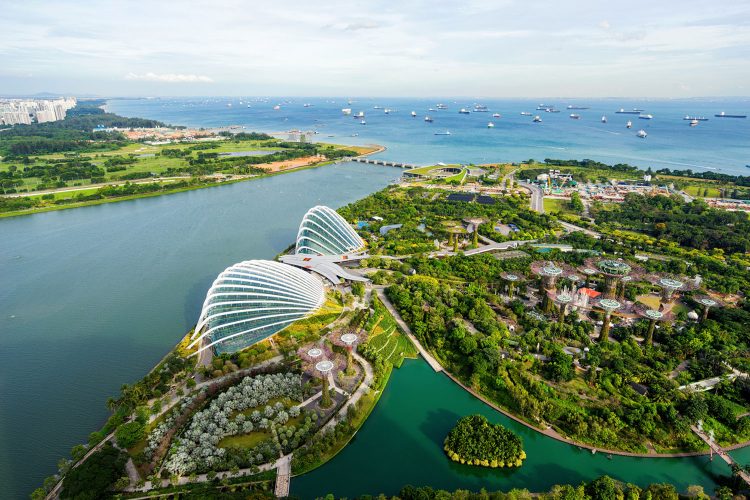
95, 476
559, 367
604, 488
129, 434
575, 202
358, 289
122, 483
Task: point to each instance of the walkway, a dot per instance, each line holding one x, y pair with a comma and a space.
55, 492
283, 475
549, 431
571, 228
710, 383
721, 452
405, 328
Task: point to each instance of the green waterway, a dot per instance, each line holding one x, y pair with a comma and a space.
401, 443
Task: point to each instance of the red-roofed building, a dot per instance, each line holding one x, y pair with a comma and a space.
590, 292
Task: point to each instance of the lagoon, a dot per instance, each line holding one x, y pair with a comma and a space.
402, 443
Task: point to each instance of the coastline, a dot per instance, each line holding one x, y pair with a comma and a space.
53, 208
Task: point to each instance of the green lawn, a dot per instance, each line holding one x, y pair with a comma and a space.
556, 205
148, 158
698, 190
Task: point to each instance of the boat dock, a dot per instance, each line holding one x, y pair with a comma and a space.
372, 161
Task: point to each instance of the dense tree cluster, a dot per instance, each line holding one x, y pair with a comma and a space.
693, 224
424, 212
476, 441
95, 476
198, 446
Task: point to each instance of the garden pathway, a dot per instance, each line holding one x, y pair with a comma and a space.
405, 328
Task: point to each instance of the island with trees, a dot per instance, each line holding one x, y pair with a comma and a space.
476, 441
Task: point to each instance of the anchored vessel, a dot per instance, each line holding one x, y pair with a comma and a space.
725, 115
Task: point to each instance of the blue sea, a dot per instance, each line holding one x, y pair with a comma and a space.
719, 144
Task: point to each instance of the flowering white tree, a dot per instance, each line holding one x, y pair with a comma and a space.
198, 444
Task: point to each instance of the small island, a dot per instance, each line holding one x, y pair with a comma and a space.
476, 441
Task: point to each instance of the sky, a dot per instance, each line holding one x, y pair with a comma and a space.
482, 48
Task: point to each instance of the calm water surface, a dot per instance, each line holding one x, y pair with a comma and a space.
401, 443
719, 144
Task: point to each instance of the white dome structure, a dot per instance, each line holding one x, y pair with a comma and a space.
252, 300
324, 232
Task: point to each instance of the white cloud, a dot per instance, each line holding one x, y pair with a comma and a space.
605, 24
169, 78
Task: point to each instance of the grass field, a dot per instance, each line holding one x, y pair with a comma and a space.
149, 158
702, 190
556, 205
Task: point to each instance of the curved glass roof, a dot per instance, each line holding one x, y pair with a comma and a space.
324, 232
252, 300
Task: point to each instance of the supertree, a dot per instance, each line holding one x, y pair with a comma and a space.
671, 284
707, 303
319, 362
511, 279
653, 316
609, 306
549, 273
562, 299
347, 340
323, 368
614, 272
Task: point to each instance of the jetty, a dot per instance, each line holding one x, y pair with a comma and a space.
373, 161
715, 448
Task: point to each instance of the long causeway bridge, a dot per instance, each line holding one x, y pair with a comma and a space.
372, 161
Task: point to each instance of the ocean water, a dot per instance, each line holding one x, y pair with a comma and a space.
719, 144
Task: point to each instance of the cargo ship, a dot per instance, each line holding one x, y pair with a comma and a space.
699, 118
577, 107
724, 115
623, 111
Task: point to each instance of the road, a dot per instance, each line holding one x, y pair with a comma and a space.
571, 228
537, 196
149, 180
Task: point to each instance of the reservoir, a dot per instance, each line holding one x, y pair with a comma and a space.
92, 298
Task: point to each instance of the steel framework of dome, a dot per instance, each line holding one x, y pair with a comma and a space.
324, 232
252, 300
